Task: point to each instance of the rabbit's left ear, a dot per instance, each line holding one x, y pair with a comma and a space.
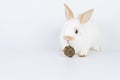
68, 13
84, 18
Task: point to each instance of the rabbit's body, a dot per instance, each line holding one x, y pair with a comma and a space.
82, 36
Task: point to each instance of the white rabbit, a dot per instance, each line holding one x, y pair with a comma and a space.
80, 33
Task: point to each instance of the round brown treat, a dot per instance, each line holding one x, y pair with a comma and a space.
69, 51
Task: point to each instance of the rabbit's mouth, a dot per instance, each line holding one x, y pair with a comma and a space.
69, 42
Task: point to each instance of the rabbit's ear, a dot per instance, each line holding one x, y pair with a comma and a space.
68, 13
84, 18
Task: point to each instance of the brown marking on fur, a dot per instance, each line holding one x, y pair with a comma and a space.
69, 38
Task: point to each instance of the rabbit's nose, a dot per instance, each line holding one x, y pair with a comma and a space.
69, 38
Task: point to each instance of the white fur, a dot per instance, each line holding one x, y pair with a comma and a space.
87, 38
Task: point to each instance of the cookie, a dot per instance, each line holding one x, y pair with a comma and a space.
69, 51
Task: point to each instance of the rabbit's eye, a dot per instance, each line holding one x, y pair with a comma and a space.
76, 31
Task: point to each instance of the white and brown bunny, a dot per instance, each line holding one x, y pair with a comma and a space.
80, 32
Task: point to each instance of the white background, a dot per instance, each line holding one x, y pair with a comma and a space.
29, 41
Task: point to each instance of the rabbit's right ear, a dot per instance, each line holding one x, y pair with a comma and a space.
68, 13
84, 18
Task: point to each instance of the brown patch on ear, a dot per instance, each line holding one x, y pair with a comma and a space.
68, 13
84, 18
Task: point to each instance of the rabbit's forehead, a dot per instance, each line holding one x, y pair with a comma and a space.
70, 27
73, 23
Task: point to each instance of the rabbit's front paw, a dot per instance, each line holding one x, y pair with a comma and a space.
82, 54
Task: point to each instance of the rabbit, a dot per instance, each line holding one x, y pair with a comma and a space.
80, 32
